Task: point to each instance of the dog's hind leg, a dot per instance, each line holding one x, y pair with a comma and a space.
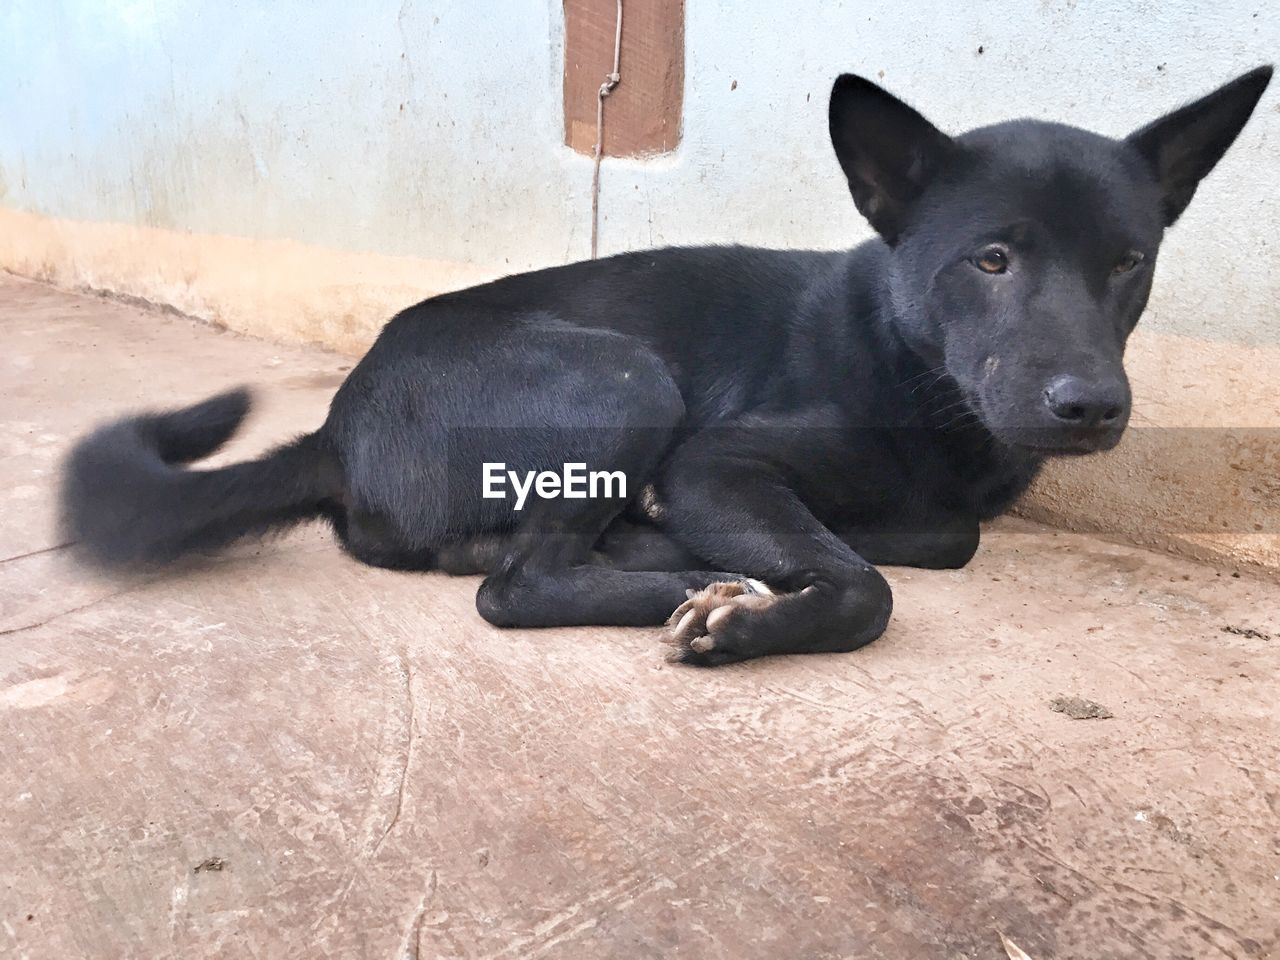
549, 575
634, 546
369, 538
552, 577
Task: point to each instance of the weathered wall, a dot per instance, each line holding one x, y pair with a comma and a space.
299, 170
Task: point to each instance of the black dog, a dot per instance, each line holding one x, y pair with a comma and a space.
781, 418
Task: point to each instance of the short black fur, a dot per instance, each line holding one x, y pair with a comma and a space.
786, 420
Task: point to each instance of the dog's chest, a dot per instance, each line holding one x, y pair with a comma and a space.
878, 475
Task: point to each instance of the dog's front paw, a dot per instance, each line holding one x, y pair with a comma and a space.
707, 629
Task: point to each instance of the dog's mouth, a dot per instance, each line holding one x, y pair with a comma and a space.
1072, 447
1041, 440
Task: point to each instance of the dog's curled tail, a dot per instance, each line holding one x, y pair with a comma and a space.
127, 501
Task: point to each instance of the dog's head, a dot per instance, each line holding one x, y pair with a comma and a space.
1023, 253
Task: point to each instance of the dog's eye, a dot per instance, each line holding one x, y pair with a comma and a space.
992, 260
1127, 263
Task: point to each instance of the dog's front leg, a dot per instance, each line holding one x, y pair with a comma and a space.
934, 542
740, 515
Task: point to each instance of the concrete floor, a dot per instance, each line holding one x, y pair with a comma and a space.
383, 775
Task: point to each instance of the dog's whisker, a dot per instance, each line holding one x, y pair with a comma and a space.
963, 419
950, 408
921, 376
940, 375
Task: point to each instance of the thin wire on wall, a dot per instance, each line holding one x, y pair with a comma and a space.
606, 88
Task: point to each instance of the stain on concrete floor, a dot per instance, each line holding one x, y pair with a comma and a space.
1078, 708
388, 776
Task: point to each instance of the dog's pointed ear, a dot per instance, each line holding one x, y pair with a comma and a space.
1183, 146
886, 149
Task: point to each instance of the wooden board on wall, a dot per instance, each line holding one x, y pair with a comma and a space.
642, 114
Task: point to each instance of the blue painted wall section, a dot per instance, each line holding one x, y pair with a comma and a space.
433, 128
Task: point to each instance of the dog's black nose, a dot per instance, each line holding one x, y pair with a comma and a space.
1080, 403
